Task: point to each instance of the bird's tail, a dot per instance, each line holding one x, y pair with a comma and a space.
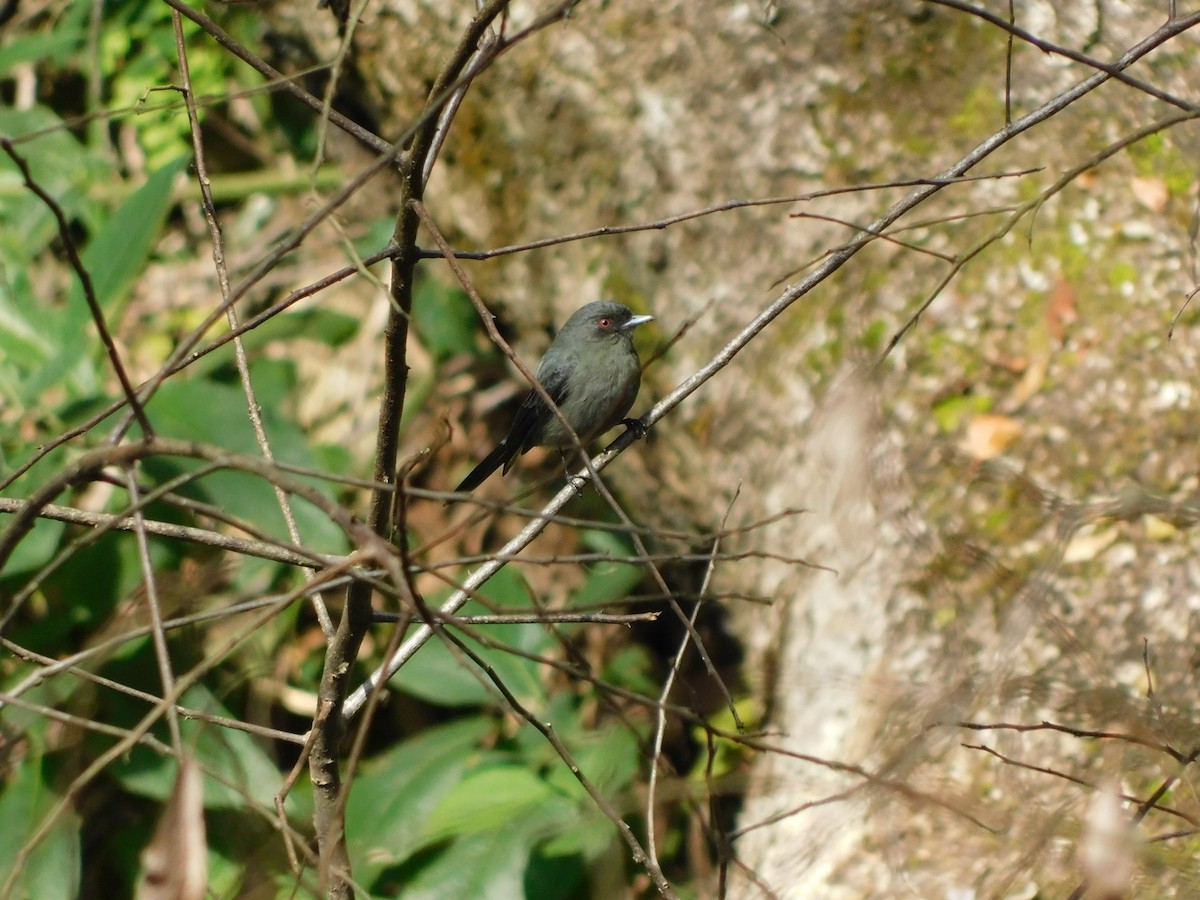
489, 464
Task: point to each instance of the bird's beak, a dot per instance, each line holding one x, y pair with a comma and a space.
635, 321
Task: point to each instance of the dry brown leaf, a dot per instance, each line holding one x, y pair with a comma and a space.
1088, 543
988, 435
1158, 529
175, 862
1061, 311
1151, 192
1031, 382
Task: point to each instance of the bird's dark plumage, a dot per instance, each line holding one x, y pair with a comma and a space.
591, 372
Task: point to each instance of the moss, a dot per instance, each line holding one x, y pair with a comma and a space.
874, 335
919, 77
618, 285
1157, 156
951, 413
980, 111
1120, 273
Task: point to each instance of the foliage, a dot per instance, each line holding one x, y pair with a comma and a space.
953, 411
459, 801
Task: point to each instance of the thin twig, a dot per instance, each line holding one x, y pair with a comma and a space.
217, 238
660, 723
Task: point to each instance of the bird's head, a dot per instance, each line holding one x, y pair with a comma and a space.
604, 320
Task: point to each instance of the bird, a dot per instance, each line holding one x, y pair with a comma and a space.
592, 373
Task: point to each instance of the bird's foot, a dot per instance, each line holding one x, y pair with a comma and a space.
637, 426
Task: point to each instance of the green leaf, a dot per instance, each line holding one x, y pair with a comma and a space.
202, 410
488, 866
334, 458
62, 167
378, 234
50, 48
112, 259
498, 798
730, 755
952, 412
42, 542
438, 675
590, 836
235, 769
24, 341
394, 793
322, 325
52, 869
445, 319
608, 759
121, 249
630, 668
36, 549
607, 581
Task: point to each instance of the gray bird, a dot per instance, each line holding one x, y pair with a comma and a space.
591, 372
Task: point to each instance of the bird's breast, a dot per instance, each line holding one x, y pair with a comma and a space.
597, 402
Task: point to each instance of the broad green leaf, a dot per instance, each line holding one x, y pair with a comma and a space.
48, 48
445, 319
36, 549
488, 866
498, 798
630, 668
394, 793
437, 676
52, 868
236, 771
65, 170
203, 410
25, 342
42, 542
324, 326
376, 237
608, 759
607, 581
121, 249
589, 836
113, 258
444, 677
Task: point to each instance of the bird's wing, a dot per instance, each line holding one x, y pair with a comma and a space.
528, 424
533, 414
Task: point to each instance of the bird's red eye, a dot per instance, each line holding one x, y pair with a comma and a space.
604, 322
